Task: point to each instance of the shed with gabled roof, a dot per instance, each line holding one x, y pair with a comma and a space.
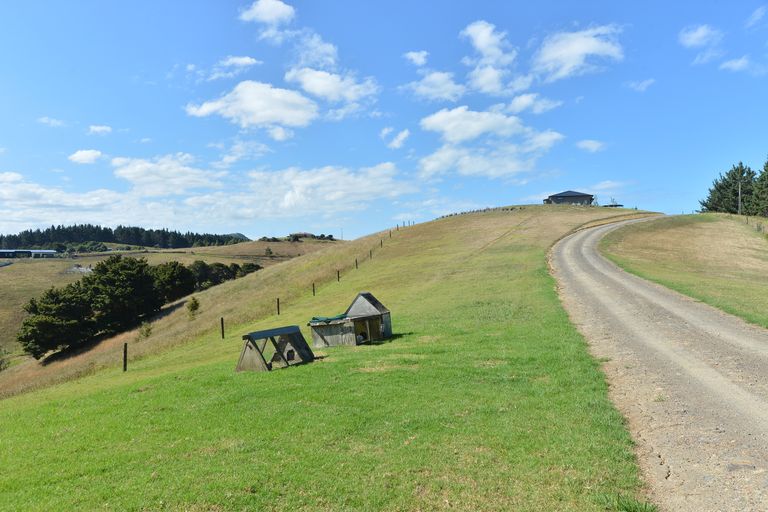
365, 320
283, 346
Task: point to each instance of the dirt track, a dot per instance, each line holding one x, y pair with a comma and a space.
691, 380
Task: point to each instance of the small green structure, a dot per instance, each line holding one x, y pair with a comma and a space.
365, 320
290, 349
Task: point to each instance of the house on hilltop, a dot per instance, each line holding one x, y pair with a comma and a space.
570, 197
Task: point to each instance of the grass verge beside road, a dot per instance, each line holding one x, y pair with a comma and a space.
718, 259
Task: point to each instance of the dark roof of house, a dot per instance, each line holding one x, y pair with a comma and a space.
570, 193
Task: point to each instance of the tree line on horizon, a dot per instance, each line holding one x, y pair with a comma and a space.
58, 237
723, 196
119, 294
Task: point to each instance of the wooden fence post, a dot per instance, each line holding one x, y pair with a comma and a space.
313, 289
222, 327
338, 276
381, 243
355, 263
278, 306
370, 254
125, 357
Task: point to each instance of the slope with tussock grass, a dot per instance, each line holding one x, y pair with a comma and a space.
485, 400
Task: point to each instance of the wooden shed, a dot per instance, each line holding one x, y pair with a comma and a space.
280, 347
366, 319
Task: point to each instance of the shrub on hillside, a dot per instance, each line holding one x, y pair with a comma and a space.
173, 280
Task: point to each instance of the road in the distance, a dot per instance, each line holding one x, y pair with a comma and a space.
691, 380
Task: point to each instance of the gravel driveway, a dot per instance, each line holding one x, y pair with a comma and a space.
691, 380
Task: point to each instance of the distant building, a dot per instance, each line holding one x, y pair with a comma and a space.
27, 253
570, 197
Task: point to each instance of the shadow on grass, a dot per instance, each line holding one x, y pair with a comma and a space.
69, 352
395, 336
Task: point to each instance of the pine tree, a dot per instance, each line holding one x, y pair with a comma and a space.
724, 194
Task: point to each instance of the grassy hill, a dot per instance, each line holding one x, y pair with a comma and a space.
27, 278
716, 258
485, 400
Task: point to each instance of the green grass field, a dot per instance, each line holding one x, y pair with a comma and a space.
487, 398
717, 259
28, 278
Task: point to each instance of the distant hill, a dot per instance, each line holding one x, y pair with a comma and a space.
62, 237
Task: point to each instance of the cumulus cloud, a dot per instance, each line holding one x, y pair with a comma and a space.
492, 46
698, 36
740, 64
417, 58
164, 175
641, 85
296, 192
756, 16
231, 66
241, 150
50, 121
567, 54
314, 52
99, 129
331, 86
257, 104
270, 12
436, 86
85, 156
532, 102
461, 124
399, 139
704, 38
487, 79
385, 132
590, 145
497, 161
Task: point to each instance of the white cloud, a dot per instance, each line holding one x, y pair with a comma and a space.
271, 12
487, 79
606, 185
399, 139
231, 66
85, 156
703, 37
313, 52
641, 85
520, 83
492, 46
461, 124
498, 161
99, 129
540, 142
590, 145
50, 121
241, 150
164, 175
385, 131
698, 36
437, 85
532, 102
256, 104
756, 16
332, 87
417, 58
298, 192
279, 133
567, 54
740, 64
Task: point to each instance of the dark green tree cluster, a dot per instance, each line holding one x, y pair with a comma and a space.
723, 196
119, 294
55, 237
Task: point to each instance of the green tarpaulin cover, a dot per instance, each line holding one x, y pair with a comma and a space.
328, 319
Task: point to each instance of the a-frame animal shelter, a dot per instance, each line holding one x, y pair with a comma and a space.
290, 349
365, 320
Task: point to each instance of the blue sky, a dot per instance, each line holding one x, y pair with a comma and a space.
271, 117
